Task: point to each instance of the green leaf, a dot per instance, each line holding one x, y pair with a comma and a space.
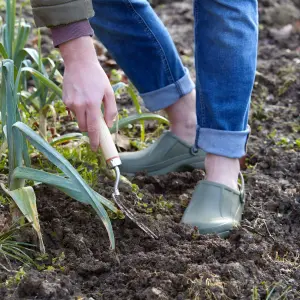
41, 176
65, 166
62, 183
21, 39
3, 103
3, 51
50, 84
26, 202
8, 245
137, 118
34, 55
74, 136
31, 99
51, 98
9, 30
11, 109
135, 100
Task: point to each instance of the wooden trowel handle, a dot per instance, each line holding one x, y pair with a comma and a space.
107, 145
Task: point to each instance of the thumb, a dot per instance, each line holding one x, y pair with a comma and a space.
110, 107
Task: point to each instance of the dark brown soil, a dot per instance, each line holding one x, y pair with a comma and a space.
262, 253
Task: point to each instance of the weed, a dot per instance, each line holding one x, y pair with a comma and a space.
274, 291
15, 279
208, 286
4, 200
272, 134
12, 249
258, 111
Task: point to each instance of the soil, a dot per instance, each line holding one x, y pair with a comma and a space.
263, 253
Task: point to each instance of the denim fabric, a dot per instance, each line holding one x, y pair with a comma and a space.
226, 37
143, 48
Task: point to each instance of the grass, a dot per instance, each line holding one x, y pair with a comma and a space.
208, 286
10, 249
275, 291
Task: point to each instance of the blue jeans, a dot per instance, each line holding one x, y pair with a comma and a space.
226, 38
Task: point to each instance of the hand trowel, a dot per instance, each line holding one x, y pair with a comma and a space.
113, 161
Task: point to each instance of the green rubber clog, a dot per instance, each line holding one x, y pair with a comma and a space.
215, 208
168, 154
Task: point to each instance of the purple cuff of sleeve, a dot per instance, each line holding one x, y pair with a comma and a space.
65, 33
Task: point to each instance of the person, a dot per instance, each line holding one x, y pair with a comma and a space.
208, 120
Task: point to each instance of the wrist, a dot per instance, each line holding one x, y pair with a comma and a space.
78, 50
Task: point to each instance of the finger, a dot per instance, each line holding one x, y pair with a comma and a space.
93, 127
81, 119
110, 107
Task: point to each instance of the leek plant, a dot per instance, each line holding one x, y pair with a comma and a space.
71, 183
41, 98
14, 35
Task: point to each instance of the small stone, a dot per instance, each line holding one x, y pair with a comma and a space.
283, 33
156, 291
159, 217
184, 200
184, 197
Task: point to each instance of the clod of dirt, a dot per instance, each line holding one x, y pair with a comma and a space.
283, 33
45, 286
281, 15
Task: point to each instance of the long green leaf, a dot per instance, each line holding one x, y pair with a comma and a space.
50, 84
34, 55
10, 29
100, 200
135, 100
3, 101
60, 182
11, 231
54, 73
65, 166
26, 202
31, 99
22, 37
8, 78
137, 118
68, 137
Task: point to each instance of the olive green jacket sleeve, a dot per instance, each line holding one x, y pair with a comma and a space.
52, 13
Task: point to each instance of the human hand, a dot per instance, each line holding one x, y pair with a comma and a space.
85, 86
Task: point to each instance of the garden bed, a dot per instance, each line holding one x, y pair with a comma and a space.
260, 258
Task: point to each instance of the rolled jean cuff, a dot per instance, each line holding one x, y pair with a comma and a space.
232, 144
168, 95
